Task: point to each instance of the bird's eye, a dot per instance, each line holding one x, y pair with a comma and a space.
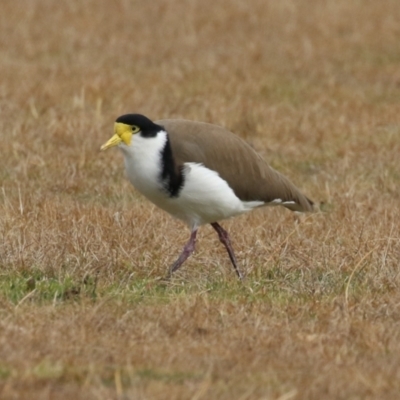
135, 129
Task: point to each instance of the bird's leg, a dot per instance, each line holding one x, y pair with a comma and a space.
224, 239
186, 252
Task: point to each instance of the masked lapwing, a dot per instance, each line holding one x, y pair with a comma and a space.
199, 173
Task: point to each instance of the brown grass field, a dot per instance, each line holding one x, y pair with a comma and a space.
314, 86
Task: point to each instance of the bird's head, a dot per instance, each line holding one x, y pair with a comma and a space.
128, 125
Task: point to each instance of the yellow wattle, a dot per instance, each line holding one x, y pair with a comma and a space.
123, 133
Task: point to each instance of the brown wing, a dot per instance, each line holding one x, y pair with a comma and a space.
250, 177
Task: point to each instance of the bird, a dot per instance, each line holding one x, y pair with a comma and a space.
200, 173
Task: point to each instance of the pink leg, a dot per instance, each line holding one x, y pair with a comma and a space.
224, 239
186, 252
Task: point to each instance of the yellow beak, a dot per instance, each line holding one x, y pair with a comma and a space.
114, 141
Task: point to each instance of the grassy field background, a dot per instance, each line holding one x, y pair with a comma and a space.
314, 86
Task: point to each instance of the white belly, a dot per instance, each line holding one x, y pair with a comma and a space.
204, 198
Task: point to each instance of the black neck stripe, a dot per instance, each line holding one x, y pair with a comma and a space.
171, 174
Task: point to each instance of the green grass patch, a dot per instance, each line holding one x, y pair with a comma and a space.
34, 285
275, 285
177, 377
5, 372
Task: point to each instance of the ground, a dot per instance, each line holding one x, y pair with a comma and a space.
314, 87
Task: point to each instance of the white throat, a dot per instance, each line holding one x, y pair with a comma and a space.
143, 163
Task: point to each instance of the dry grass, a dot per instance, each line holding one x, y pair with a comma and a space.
315, 87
